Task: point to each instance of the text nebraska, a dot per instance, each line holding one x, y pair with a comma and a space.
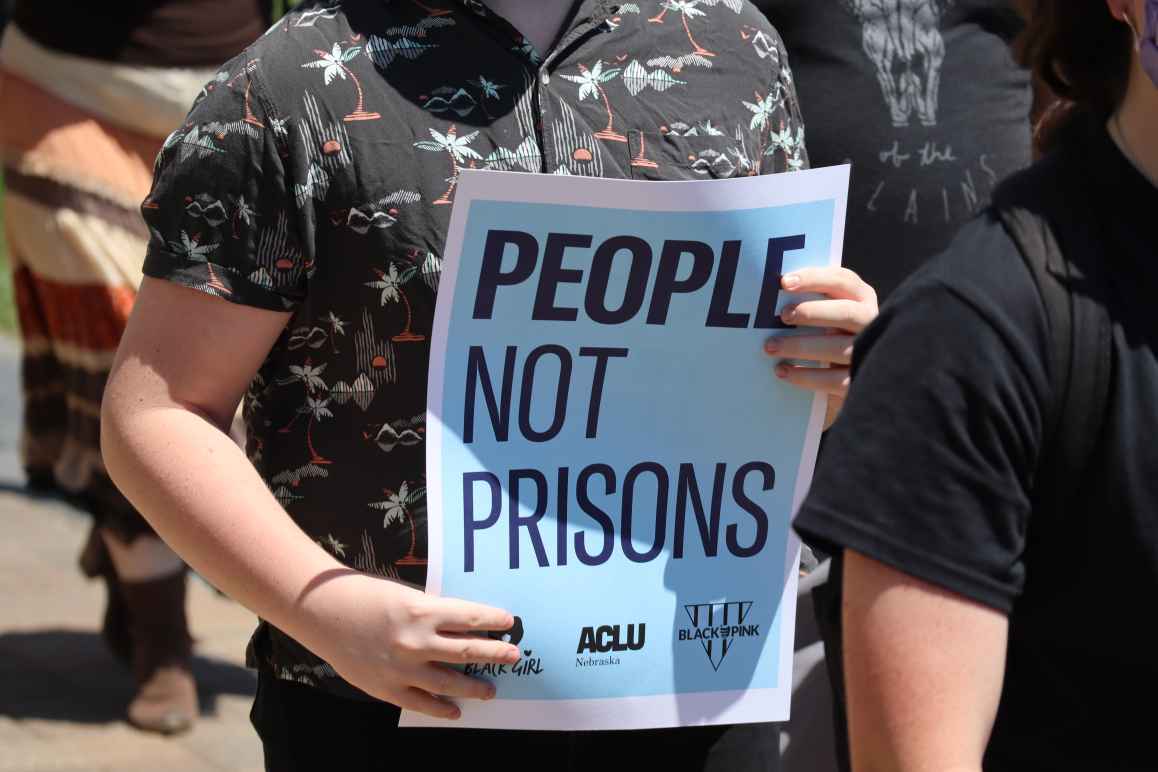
596, 661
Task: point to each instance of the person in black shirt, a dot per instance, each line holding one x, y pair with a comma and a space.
981, 628
927, 102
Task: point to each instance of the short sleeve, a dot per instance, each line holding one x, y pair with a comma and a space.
784, 146
221, 213
930, 467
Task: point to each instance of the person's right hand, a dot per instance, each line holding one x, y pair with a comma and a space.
393, 642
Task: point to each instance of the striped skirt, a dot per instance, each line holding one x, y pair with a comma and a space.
77, 140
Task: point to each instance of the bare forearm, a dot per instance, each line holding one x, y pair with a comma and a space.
923, 672
185, 360
201, 494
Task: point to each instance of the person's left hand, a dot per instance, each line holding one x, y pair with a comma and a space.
849, 305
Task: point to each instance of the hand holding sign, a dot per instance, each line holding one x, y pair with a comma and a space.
392, 641
848, 306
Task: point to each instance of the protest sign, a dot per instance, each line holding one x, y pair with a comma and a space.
609, 453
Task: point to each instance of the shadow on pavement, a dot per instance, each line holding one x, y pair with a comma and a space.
22, 488
69, 675
48, 494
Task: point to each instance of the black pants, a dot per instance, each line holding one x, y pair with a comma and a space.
307, 730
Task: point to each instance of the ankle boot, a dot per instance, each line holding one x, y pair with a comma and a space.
95, 562
166, 698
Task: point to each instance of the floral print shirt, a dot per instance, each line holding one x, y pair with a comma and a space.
316, 173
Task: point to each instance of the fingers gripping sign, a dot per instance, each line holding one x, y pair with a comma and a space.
398, 644
820, 361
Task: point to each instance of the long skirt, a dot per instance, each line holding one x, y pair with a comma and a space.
77, 156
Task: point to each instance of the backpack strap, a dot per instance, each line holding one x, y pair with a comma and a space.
1074, 299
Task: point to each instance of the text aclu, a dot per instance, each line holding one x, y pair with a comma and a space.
681, 267
600, 640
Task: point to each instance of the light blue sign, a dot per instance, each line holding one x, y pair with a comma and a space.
611, 457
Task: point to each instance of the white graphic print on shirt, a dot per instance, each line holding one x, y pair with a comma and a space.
903, 40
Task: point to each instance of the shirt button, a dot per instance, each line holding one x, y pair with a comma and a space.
545, 78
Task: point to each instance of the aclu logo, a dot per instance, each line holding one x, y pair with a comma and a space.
528, 664
608, 640
600, 640
717, 626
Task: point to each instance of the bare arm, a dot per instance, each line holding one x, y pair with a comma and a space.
923, 672
184, 363
168, 403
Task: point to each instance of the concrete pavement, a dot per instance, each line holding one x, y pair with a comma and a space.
10, 472
62, 696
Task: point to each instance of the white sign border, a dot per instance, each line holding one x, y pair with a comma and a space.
758, 192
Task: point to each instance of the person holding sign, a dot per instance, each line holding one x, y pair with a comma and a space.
298, 220
993, 494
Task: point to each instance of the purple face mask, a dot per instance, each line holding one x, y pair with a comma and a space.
1149, 43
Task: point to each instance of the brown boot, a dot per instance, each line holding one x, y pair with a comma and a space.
166, 699
95, 562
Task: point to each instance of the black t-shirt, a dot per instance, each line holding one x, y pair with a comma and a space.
926, 101
930, 469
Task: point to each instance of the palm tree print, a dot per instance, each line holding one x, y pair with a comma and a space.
397, 507
244, 213
249, 68
591, 82
199, 143
333, 545
390, 283
489, 88
641, 160
687, 9
789, 142
337, 327
333, 64
762, 110
310, 376
318, 410
394, 506
457, 148
317, 335
191, 248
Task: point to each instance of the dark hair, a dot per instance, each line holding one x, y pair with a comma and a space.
1083, 54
